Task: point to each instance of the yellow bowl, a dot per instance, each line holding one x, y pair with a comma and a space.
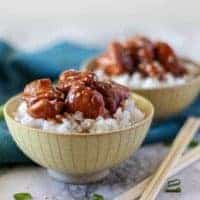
167, 100
79, 157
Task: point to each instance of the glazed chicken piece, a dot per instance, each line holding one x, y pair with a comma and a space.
40, 89
151, 70
70, 77
122, 58
76, 91
90, 96
140, 54
166, 56
45, 108
113, 94
141, 49
117, 60
42, 99
79, 96
86, 100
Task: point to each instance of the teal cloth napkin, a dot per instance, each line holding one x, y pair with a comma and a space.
18, 68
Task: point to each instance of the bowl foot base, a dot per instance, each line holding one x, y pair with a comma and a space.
86, 178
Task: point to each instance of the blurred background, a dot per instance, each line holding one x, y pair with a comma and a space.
31, 24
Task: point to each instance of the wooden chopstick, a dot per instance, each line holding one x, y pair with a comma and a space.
179, 145
190, 157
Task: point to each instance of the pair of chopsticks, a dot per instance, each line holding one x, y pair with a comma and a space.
174, 162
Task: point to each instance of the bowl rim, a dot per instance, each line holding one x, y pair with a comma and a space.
137, 124
167, 87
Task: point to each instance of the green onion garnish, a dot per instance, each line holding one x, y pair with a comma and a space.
1, 112
173, 185
22, 196
97, 197
174, 189
193, 143
174, 182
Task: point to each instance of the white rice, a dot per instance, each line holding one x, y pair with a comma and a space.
124, 117
137, 81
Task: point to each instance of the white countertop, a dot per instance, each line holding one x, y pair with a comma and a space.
35, 180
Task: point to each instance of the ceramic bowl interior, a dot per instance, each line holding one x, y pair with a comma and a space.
168, 100
79, 153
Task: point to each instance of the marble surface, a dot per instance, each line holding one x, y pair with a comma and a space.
34, 179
